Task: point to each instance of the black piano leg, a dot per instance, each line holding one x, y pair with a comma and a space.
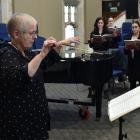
90, 92
98, 92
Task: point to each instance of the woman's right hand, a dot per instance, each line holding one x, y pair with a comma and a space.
47, 46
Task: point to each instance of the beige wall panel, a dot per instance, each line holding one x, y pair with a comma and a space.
93, 9
47, 12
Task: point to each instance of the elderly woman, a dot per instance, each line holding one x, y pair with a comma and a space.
24, 112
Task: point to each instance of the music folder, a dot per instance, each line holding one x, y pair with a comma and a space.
124, 104
101, 38
116, 30
132, 44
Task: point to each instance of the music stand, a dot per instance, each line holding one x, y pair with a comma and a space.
122, 105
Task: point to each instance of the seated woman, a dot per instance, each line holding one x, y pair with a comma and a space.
134, 57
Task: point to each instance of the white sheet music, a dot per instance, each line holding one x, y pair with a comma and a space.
124, 104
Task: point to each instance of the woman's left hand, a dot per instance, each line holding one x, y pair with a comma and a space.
69, 41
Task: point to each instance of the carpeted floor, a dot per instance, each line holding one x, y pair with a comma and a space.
67, 125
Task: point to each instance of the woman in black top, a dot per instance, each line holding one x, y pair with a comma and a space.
24, 113
134, 57
100, 28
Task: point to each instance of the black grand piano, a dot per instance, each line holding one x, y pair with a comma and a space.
93, 72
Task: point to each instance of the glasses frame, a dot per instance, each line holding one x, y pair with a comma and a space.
32, 34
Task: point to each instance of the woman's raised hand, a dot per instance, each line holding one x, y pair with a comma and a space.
68, 41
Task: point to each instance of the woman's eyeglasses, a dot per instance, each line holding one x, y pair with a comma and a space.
33, 33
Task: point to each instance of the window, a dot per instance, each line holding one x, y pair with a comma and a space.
70, 11
70, 24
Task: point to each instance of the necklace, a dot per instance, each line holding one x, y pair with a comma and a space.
17, 49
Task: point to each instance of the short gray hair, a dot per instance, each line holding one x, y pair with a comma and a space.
20, 22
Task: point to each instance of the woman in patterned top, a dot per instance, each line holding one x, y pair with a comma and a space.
24, 113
